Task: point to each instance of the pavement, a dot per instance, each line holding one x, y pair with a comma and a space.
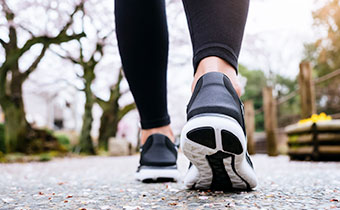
108, 183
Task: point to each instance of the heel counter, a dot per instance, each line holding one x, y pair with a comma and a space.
158, 151
214, 93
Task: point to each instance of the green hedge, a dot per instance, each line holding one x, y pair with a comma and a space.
64, 141
2, 138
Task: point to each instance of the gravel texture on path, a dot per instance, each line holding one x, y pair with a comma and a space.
108, 183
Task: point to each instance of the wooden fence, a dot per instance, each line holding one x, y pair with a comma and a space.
306, 91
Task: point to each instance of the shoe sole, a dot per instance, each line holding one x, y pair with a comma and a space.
158, 174
215, 144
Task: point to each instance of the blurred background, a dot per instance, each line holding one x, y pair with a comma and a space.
62, 89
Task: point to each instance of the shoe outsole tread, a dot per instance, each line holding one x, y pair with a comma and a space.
222, 165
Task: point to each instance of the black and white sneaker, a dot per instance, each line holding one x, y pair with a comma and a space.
214, 138
158, 160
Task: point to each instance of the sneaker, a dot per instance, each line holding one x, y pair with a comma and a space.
158, 160
214, 138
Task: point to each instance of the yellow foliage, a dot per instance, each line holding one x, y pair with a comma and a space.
316, 118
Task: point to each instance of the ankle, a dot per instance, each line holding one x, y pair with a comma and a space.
216, 64
165, 130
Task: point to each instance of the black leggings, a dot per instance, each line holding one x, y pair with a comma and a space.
216, 29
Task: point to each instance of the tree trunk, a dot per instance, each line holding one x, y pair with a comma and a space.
112, 114
85, 141
16, 128
108, 127
19, 135
110, 117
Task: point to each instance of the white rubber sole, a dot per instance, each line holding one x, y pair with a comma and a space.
238, 170
157, 174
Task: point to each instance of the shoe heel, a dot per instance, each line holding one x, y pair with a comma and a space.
217, 132
216, 146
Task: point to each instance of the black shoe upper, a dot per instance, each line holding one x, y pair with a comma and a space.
214, 93
158, 150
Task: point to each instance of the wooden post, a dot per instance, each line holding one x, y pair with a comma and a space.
270, 120
307, 91
250, 125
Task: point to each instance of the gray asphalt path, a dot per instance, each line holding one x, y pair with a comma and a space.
108, 183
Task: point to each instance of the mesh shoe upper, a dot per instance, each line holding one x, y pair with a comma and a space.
158, 150
214, 93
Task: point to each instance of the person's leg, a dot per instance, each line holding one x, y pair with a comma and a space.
216, 29
216, 64
142, 35
214, 137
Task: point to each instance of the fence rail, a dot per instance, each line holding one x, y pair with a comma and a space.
327, 77
306, 90
295, 92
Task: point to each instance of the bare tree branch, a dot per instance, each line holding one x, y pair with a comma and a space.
67, 57
13, 53
3, 43
120, 76
81, 54
36, 62
116, 87
46, 84
26, 29
50, 40
102, 103
99, 48
108, 34
125, 110
72, 85
79, 7
61, 37
78, 75
124, 92
41, 39
8, 12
